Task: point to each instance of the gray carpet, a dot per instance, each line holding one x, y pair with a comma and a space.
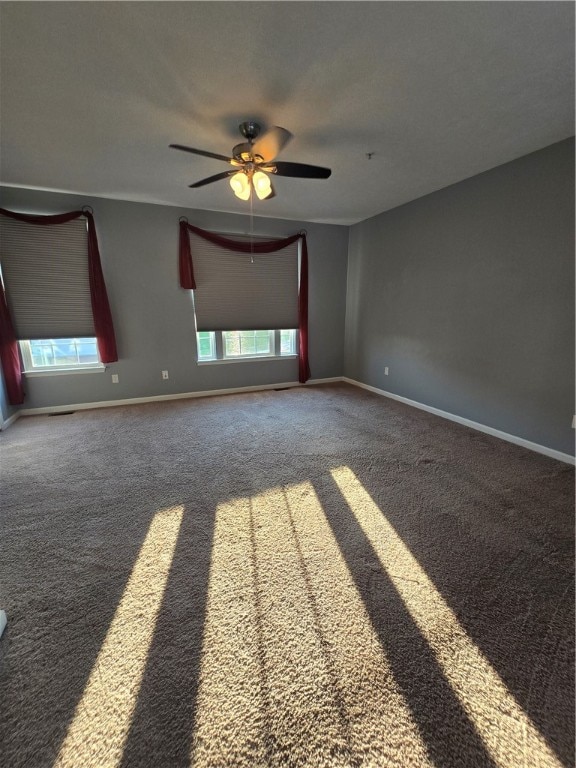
309, 577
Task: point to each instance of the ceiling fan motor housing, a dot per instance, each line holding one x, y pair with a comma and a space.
242, 152
249, 129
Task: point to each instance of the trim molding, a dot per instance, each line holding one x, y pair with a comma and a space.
553, 454
5, 424
332, 380
159, 398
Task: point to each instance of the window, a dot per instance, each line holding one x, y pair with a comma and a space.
46, 277
245, 345
206, 345
256, 294
60, 354
288, 343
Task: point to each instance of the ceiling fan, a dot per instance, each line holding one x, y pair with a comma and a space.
254, 162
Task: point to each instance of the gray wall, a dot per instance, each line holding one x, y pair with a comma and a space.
153, 316
467, 295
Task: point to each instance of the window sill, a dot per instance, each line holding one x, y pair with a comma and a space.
247, 359
64, 371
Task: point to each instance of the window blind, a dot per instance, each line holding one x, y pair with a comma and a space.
45, 272
239, 292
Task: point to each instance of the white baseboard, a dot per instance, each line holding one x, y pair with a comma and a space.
159, 398
332, 380
565, 457
9, 421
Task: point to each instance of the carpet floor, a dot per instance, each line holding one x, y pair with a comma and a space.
304, 578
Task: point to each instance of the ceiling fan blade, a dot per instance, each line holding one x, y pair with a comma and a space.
211, 179
201, 152
270, 144
301, 170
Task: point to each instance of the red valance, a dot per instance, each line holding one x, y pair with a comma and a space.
104, 328
269, 246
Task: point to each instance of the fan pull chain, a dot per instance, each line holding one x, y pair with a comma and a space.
251, 226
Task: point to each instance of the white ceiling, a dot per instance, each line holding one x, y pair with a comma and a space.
93, 93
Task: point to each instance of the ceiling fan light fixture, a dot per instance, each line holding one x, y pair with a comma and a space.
253, 160
262, 185
240, 184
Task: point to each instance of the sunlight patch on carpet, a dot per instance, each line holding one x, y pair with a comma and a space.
292, 671
506, 730
98, 731
228, 721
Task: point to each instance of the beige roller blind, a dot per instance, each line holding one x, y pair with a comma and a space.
45, 272
236, 292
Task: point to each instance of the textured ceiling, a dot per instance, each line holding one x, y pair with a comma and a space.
93, 93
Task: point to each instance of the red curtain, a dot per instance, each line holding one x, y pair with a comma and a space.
10, 355
187, 280
303, 364
103, 326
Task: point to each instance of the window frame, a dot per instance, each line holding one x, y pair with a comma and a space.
218, 347
29, 369
259, 355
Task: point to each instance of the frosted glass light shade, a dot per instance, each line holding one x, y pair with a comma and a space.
261, 182
240, 185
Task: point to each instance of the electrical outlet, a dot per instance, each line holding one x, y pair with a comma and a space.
115, 378
165, 374
386, 371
